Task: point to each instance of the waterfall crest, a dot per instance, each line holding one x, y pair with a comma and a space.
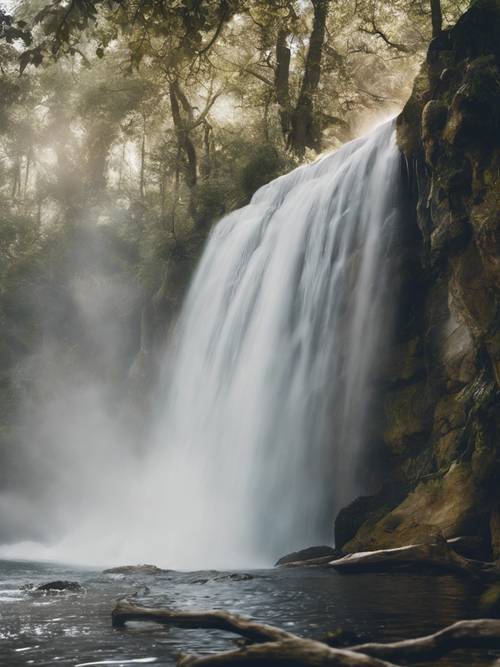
267, 391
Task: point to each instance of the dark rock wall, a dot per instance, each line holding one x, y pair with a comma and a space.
440, 405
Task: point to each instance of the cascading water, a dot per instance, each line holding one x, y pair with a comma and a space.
267, 391
263, 408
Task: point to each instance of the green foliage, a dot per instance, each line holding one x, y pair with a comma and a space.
212, 201
264, 163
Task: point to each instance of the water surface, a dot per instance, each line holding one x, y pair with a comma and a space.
76, 629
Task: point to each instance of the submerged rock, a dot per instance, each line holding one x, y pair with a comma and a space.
232, 576
55, 588
304, 555
146, 569
235, 576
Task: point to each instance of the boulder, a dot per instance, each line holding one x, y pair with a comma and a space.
304, 555
367, 509
451, 505
56, 588
145, 569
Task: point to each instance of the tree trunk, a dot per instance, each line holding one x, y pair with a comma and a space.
437, 17
281, 81
185, 142
175, 199
305, 132
206, 170
16, 172
27, 173
143, 160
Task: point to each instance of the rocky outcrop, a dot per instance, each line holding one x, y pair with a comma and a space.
440, 409
145, 569
307, 555
59, 587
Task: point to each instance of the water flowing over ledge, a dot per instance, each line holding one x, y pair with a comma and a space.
264, 403
267, 392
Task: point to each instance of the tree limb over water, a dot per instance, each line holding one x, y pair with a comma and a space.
277, 647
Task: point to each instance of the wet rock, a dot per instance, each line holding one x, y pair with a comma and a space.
144, 569
304, 555
407, 415
145, 590
450, 505
471, 546
367, 509
56, 588
235, 576
230, 576
490, 602
495, 532
406, 362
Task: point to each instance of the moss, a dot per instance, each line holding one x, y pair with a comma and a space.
448, 504
490, 602
407, 413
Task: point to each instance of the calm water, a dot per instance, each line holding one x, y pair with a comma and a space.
76, 629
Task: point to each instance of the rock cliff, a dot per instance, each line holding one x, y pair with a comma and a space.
439, 413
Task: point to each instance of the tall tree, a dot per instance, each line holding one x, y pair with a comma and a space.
305, 131
437, 17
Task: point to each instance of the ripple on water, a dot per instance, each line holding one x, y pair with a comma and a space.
132, 661
76, 630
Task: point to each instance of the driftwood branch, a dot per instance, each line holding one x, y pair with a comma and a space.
437, 555
477, 634
273, 646
289, 653
211, 620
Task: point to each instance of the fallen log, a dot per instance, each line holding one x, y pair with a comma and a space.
274, 646
478, 634
437, 555
208, 620
289, 653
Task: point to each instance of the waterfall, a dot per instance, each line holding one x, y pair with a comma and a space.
266, 393
264, 406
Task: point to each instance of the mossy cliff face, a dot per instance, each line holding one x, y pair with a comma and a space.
440, 408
